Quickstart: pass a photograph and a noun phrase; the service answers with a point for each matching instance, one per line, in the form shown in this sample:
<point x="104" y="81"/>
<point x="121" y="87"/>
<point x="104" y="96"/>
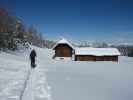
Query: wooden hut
<point x="96" y="54"/>
<point x="63" y="48"/>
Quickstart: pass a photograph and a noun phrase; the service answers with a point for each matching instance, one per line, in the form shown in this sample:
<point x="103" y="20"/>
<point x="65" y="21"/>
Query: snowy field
<point x="64" y="80"/>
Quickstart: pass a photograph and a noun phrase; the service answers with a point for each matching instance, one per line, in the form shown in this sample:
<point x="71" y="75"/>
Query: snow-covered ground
<point x="13" y="72"/>
<point x="64" y="79"/>
<point x="18" y="81"/>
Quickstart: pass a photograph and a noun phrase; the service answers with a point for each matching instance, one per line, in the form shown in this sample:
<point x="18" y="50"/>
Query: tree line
<point x="13" y="31"/>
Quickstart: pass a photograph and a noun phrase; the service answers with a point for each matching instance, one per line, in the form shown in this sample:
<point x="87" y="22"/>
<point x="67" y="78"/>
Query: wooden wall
<point x="95" y="58"/>
<point x="63" y="50"/>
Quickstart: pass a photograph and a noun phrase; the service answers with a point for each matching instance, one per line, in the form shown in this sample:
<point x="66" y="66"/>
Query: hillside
<point x="63" y="79"/>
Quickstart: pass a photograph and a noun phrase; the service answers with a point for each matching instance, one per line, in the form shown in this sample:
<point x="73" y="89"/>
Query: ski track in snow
<point x="37" y="88"/>
<point x="19" y="82"/>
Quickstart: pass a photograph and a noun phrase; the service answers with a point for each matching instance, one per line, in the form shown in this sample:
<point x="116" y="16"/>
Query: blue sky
<point x="77" y="19"/>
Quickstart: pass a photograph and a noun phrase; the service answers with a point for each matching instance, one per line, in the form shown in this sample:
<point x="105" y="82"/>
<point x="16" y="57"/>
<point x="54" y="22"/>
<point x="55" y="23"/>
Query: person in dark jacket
<point x="32" y="58"/>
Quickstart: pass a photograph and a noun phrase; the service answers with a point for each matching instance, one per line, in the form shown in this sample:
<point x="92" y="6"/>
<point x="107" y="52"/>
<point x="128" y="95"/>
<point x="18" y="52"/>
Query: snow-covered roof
<point x="96" y="51"/>
<point x="63" y="41"/>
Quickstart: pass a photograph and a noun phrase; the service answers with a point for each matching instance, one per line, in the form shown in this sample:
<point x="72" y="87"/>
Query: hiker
<point x="32" y="58"/>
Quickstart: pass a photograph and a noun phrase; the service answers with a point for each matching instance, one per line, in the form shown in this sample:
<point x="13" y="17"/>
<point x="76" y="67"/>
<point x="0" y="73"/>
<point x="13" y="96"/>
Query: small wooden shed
<point x="96" y="54"/>
<point x="63" y="48"/>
